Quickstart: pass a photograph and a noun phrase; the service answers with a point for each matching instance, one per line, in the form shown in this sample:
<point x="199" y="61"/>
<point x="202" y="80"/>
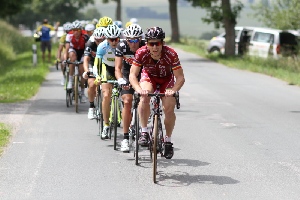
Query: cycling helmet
<point x="67" y="26"/>
<point x="134" y="20"/>
<point x="112" y="31"/>
<point x="76" y="25"/>
<point x="89" y="27"/>
<point x="128" y="24"/>
<point x="119" y="24"/>
<point x="99" y="33"/>
<point x="104" y="22"/>
<point x="132" y="31"/>
<point x="154" y="33"/>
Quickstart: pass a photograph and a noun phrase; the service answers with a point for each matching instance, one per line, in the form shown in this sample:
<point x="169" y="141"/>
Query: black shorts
<point x="45" y="44"/>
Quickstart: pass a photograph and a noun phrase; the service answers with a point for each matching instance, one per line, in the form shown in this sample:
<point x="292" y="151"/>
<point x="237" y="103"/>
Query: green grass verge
<point x="5" y="132"/>
<point x="286" y="69"/>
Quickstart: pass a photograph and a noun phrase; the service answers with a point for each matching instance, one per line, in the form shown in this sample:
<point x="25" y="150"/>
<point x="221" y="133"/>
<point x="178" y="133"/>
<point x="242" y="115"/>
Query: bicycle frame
<point x="76" y="93"/>
<point x="115" y="110"/>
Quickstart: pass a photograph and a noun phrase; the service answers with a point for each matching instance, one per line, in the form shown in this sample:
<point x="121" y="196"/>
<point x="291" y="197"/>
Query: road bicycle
<point x="156" y="141"/>
<point x="115" y="116"/>
<point x="98" y="115"/>
<point x="76" y="95"/>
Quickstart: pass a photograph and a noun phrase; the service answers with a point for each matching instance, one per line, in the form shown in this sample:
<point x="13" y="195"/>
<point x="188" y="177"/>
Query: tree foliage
<point x="53" y="10"/>
<point x="12" y="7"/>
<point x="280" y="14"/>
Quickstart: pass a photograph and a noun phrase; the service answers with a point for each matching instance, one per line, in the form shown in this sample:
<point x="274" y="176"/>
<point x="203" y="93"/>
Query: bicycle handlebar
<point x="75" y="63"/>
<point x="176" y="95"/>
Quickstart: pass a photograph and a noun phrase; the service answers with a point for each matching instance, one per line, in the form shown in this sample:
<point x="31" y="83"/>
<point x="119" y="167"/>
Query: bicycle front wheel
<point x="115" y="119"/>
<point x="99" y="114"/>
<point x="137" y="135"/>
<point x="154" y="147"/>
<point x="76" y="93"/>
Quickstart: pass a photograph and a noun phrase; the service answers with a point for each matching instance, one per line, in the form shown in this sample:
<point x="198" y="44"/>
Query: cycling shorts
<point x="163" y="82"/>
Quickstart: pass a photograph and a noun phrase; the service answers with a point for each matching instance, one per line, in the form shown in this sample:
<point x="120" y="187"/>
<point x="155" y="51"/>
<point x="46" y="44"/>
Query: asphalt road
<point x="236" y="137"/>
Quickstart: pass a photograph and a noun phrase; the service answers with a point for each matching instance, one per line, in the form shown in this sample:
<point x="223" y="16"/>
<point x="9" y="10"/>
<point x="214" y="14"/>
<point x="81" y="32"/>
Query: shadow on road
<point x="185" y="179"/>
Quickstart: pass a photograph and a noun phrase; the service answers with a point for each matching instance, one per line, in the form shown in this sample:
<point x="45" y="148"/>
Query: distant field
<point x="189" y="19"/>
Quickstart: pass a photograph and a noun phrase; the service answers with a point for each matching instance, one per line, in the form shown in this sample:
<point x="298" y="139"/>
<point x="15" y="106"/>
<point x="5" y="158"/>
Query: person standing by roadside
<point x="45" y="29"/>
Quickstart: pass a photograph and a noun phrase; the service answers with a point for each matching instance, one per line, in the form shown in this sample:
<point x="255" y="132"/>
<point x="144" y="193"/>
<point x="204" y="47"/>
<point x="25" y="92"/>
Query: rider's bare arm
<point x="179" y="77"/>
<point x="134" y="72"/>
<point x="118" y="67"/>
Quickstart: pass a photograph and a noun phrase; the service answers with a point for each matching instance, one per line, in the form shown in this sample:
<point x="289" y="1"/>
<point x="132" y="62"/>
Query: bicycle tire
<point x="111" y="118"/>
<point x="68" y="96"/>
<point x="137" y="136"/>
<point x="99" y="112"/>
<point x="76" y="93"/>
<point x="56" y="64"/>
<point x="161" y="139"/>
<point x="115" y="120"/>
<point x="154" y="147"/>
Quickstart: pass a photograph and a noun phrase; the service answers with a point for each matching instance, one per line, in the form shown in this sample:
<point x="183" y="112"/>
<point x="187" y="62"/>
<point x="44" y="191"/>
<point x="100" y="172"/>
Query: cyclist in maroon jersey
<point x="161" y="66"/>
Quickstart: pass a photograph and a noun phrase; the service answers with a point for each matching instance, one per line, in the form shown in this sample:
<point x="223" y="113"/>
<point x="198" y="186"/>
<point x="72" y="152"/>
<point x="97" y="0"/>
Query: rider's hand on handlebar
<point x="85" y="75"/>
<point x="97" y="80"/>
<point x="169" y="93"/>
<point x="143" y="92"/>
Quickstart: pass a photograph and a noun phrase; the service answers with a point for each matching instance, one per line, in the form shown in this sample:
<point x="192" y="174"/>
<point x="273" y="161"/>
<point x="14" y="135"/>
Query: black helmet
<point x="154" y="33"/>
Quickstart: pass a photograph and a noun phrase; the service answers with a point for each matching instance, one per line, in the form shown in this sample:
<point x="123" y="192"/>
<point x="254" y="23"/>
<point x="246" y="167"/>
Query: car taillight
<point x="278" y="49"/>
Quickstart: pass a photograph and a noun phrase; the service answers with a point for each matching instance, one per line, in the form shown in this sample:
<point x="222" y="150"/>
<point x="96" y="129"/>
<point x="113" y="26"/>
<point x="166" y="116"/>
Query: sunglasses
<point x="76" y="29"/>
<point x="151" y="44"/>
<point x="114" y="39"/>
<point x="99" y="39"/>
<point x="133" y="40"/>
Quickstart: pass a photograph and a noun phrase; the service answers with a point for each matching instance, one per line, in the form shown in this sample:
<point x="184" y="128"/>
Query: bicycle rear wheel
<point x="154" y="147"/>
<point x="76" y="82"/>
<point x="137" y="135"/>
<point x="115" y="119"/>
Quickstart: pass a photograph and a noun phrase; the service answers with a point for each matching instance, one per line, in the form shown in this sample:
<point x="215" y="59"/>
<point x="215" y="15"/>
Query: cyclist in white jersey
<point x="106" y="56"/>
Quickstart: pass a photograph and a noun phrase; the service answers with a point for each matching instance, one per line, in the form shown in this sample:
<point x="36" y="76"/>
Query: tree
<point x="280" y="14"/>
<point x="53" y="10"/>
<point x="175" y="36"/>
<point x="12" y="7"/>
<point x="222" y="13"/>
<point x="118" y="9"/>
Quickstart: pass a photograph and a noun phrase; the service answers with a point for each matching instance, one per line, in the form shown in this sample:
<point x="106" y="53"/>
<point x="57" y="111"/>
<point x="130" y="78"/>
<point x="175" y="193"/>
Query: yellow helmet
<point x="104" y="22"/>
<point x="128" y="24"/>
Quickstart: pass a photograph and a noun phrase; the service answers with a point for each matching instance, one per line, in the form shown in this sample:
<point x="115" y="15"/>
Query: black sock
<point x="92" y="105"/>
<point x="126" y="136"/>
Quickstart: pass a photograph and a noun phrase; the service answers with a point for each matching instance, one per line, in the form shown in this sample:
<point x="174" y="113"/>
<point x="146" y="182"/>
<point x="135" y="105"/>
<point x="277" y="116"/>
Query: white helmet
<point x="76" y="25"/>
<point x="112" y="31"/>
<point x="89" y="27"/>
<point x="99" y="33"/>
<point x="119" y="24"/>
<point x="67" y="26"/>
<point x="134" y="20"/>
<point x="133" y="30"/>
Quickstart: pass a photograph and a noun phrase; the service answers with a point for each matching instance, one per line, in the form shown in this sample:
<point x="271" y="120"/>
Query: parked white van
<point x="256" y="41"/>
<point x="274" y="43"/>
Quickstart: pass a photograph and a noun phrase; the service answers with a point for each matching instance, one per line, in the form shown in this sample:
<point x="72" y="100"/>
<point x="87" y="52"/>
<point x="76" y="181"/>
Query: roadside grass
<point x="19" y="79"/>
<point x="4" y="136"/>
<point x="286" y="69"/>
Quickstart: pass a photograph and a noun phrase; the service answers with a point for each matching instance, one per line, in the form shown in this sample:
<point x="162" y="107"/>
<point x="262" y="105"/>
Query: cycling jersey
<point x="90" y="50"/>
<point x="123" y="50"/>
<point x="62" y="39"/>
<point x="107" y="55"/>
<point x="45" y="29"/>
<point x="77" y="44"/>
<point x="167" y="63"/>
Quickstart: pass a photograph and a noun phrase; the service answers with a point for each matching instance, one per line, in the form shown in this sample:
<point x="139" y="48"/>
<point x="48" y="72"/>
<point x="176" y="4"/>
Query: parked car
<point x="256" y="41"/>
<point x="217" y="44"/>
<point x="273" y="43"/>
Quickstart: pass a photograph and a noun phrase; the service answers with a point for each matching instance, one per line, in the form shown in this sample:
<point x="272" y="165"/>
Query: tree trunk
<point x="118" y="11"/>
<point x="175" y="36"/>
<point x="229" y="24"/>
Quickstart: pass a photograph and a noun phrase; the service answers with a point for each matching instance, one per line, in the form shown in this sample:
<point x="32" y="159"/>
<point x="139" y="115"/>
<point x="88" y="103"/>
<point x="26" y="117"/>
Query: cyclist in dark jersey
<point x="124" y="56"/>
<point x="88" y="62"/>
<point x="161" y="66"/>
